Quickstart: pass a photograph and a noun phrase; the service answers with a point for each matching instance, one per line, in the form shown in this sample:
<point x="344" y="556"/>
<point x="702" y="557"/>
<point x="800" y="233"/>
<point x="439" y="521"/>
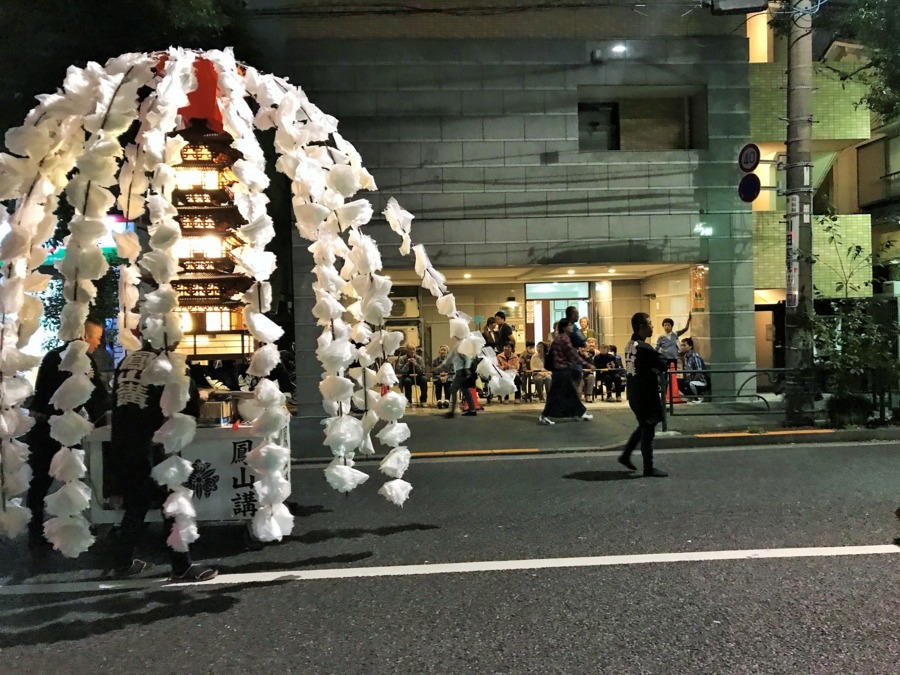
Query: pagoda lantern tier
<point x="208" y="288"/>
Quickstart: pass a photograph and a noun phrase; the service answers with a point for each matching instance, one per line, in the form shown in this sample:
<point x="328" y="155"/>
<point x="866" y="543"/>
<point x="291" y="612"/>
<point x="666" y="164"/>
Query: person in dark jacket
<point x="643" y="368"/>
<point x="43" y="447"/>
<point x="504" y="332"/>
<point x="136" y="416"/>
<point x="562" y="358"/>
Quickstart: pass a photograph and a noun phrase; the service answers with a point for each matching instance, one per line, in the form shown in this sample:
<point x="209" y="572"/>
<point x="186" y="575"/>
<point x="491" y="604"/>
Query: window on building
<point x="642" y="118"/>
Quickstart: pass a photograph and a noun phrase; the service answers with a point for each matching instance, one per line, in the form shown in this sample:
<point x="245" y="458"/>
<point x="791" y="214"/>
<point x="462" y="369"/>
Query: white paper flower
<point x="14" y="518"/>
<point x="268" y="457"/>
<point x="73" y="392"/>
<point x="264" y="360"/>
<point x="396" y="491"/>
<point x="68" y="465"/>
<point x="262" y="327"/>
<point x="400" y="221"/>
<point x="343" y="434"/>
<point x="270" y="422"/>
<point x="394" y="434"/>
<point x="391" y="406"/>
<point x="344" y="478"/>
<point x="176" y="432"/>
<point x="396" y="462"/>
<point x="364" y="254"/>
<point x="70" y="535"/>
<point x="272" y="523"/>
<point x="272" y="489"/>
<point x="70" y="500"/>
<point x="183" y="533"/>
<point x="179" y="503"/>
<point x="69" y="428"/>
<point x="446" y="305"/>
<point x="268" y="394"/>
<point x="386" y="375"/>
<point x="172" y="472"/>
<point x="74" y="358"/>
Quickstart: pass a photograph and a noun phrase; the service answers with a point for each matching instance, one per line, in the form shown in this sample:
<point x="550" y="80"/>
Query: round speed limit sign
<point x="748" y="158"/>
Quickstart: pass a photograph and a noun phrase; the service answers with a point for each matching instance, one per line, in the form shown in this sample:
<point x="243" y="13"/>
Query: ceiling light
<point x="619" y="49"/>
<point x="611" y="270"/>
<point x="386" y="276"/>
<point x="467" y="276"/>
<point x="570" y="271"/>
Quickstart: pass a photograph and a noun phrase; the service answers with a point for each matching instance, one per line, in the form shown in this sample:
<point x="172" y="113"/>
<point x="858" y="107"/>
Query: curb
<point x="676" y="441"/>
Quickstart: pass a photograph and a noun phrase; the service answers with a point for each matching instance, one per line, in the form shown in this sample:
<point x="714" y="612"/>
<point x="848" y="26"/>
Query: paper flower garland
<point x="326" y="173"/>
<point x="99" y="103"/>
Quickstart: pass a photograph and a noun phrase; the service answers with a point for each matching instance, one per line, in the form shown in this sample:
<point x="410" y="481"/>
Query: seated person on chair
<point x="442" y="376"/>
<point x="610" y="377"/>
<point x="694" y="383"/>
<point x="540" y="376"/>
<point x="411" y="369"/>
<point x="525" y="371"/>
<point x="507" y="360"/>
<point x="589" y="381"/>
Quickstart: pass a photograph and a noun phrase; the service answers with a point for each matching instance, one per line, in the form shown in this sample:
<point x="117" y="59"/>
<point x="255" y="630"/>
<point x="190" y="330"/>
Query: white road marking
<point x="452" y="568"/>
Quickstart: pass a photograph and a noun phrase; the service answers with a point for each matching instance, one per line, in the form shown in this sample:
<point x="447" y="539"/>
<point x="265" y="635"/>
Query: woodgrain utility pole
<point x="799" y="286"/>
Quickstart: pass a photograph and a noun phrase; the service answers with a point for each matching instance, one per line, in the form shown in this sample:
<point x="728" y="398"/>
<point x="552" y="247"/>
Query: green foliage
<point x="874" y="24"/>
<point x="850" y="259"/>
<point x="106" y="304"/>
<point x="852" y="347"/>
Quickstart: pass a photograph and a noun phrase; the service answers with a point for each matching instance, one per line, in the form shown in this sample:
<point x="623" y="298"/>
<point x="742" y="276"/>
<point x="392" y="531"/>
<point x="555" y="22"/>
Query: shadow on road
<point x="317" y="536"/>
<point x="304" y="511"/>
<point x="601" y="475"/>
<point x="283" y="565"/>
<point x="49" y="621"/>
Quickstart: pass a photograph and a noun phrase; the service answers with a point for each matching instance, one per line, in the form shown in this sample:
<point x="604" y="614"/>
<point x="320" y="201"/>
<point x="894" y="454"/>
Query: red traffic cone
<point x="672" y="393"/>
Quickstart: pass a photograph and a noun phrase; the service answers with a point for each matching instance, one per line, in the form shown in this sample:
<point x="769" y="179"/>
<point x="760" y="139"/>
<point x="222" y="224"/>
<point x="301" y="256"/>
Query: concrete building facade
<point x="483" y="129"/>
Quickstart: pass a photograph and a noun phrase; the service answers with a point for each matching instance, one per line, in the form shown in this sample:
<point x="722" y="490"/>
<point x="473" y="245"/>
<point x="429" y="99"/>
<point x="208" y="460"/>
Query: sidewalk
<point x="513" y="428"/>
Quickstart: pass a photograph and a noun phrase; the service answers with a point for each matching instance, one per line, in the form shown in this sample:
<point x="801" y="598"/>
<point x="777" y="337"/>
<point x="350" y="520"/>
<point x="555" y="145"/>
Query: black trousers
<point x="42" y="450"/>
<point x="141" y="493"/>
<point x="421" y="382"/>
<point x="461" y="382"/>
<point x="441" y="390"/>
<point x="648" y="416"/>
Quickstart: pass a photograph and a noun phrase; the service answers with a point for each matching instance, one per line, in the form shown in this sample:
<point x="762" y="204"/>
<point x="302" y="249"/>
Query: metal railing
<point x="775" y="375"/>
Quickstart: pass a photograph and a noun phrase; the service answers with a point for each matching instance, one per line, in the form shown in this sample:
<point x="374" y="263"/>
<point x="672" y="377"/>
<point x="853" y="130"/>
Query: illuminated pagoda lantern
<point x="209" y="288"/>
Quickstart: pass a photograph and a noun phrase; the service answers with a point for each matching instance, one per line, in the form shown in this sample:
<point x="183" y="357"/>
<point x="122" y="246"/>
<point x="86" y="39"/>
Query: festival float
<point x="170" y="139"/>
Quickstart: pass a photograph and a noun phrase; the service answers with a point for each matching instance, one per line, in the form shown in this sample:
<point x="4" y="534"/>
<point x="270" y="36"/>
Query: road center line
<point x="454" y="568"/>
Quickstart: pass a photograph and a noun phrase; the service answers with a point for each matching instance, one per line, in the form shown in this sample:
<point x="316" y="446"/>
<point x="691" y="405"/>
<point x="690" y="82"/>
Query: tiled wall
<point x="479" y="139"/>
<point x="769" y="254"/>
<point x="837" y="115"/>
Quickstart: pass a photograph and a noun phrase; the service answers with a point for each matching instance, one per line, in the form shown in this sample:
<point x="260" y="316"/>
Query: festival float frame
<point x="72" y="142"/>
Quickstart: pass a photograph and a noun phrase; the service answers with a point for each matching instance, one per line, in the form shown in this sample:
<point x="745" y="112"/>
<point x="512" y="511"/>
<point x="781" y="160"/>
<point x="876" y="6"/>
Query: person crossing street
<point x="643" y="368"/>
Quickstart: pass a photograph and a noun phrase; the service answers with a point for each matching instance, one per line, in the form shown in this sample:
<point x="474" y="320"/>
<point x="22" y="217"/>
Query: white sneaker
<point x="697" y="400"/>
<point x="545" y="420"/>
<point x="587" y="417"/>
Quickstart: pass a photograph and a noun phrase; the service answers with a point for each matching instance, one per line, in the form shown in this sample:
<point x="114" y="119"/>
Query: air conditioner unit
<point x="891" y="288"/>
<point x="738" y="6"/>
<point x="405" y="308"/>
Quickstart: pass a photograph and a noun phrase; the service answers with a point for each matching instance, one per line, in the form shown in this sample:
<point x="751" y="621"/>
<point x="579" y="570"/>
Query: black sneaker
<point x="450" y="415"/>
<point x="625" y="461"/>
<point x="653" y="472"/>
<point x="470" y="413"/>
<point x="134" y="569"/>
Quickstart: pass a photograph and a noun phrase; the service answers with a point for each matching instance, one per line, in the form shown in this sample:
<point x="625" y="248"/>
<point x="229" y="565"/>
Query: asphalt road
<point x="827" y="614"/>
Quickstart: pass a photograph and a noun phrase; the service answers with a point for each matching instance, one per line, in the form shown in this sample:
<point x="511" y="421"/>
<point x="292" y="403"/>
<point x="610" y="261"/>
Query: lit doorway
<point x="545" y="305"/>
